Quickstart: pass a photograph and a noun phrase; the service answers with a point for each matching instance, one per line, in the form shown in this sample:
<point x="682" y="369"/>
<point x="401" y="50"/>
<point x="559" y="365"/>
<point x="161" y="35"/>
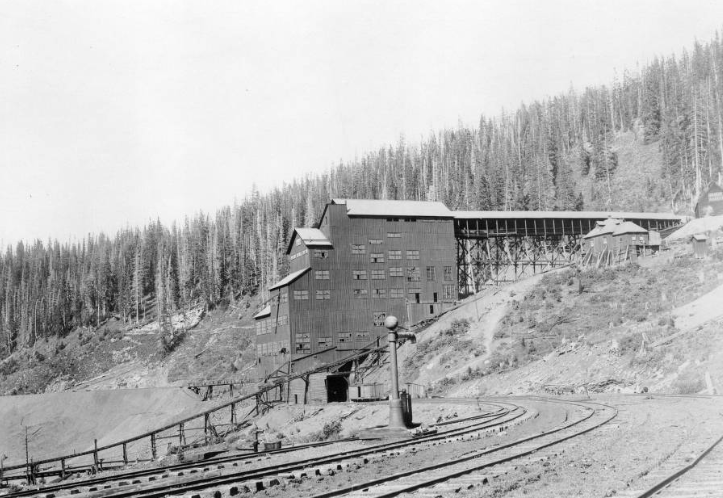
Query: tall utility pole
<point x="28" y="463"/>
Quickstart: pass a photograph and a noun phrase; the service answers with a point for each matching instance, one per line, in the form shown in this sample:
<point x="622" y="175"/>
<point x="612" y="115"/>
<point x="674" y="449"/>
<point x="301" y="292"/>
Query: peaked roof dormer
<point x="312" y="237"/>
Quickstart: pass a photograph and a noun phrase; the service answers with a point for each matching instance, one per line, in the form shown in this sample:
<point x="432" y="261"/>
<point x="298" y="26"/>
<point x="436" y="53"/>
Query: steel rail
<point x="201" y="482"/>
<point x="490" y="417"/>
<point x="454" y="474"/>
<point x="170" y="468"/>
<point x="665" y="482"/>
<point x="198" y="416"/>
<point x="230" y="458"/>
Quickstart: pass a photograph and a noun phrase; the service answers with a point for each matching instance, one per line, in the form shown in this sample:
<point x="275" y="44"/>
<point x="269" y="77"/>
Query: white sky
<point x="114" y="113"/>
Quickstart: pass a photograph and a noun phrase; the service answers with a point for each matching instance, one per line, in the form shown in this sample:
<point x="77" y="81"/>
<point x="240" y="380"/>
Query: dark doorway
<point x="336" y="388"/>
<point x="416" y="297"/>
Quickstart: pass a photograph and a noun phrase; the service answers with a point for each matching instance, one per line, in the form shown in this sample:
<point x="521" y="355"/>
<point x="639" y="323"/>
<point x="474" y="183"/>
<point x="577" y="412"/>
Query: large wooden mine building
<point x="412" y="259"/>
<point x="368" y="259"/>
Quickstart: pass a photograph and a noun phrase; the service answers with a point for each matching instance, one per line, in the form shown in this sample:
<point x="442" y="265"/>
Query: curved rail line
<point x="434" y="474"/>
<point x="505" y="415"/>
<point x="239" y="481"/>
<point x="135" y="474"/>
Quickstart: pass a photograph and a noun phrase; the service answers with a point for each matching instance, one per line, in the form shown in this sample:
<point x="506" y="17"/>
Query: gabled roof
<point x="289" y="278"/>
<point x="614" y="227"/>
<point x="699" y="237"/>
<point x="397" y="209"/>
<point x="312" y="237"/>
<point x="605" y="227"/>
<point x="263" y="313"/>
<point x="628" y="227"/>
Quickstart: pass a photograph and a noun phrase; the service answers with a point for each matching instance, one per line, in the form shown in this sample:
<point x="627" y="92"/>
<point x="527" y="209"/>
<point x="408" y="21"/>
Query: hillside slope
<point x="63" y="423"/>
<point x="630" y="328"/>
<point x="635" y="184"/>
<point x="117" y="355"/>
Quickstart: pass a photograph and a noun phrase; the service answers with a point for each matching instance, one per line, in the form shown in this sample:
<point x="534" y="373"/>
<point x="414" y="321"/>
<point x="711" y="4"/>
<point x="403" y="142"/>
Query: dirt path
<point x="492" y="309"/>
<point x="703" y="309"/>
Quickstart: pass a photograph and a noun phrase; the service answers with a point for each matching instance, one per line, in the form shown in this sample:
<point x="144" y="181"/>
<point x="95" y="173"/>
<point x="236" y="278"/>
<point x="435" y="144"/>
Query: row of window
<point x="396" y="293"/>
<point x="353" y="337"/>
<point x="413" y="274"/>
<point x="447" y="291"/>
<point x="267" y="326"/>
<point x="303" y="341"/>
<point x="378" y="293"/>
<point x="632" y="238"/>
<point x="378" y="257"/>
<point x="318" y="253"/>
<point x="272" y="348"/>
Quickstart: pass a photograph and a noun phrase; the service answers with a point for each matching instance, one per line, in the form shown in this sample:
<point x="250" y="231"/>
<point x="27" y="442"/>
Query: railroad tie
<point x="327" y="470"/>
<point x="267" y="483"/>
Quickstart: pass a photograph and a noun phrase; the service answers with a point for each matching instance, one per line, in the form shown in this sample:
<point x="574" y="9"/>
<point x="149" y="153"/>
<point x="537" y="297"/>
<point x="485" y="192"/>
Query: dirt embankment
<point x="62" y="423"/>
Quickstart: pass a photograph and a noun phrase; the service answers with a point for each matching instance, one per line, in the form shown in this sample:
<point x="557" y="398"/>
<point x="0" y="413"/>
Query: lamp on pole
<point x="396" y="414"/>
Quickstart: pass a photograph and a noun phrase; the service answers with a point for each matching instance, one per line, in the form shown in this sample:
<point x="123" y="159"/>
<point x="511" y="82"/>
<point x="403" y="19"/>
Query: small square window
<point x="301" y="294"/>
<point x="396" y="272"/>
<point x="430" y="273"/>
<point x="396" y="293"/>
<point x="323" y="294"/>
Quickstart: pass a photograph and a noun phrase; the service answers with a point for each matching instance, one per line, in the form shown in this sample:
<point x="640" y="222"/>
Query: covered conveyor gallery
<point x="503" y="246"/>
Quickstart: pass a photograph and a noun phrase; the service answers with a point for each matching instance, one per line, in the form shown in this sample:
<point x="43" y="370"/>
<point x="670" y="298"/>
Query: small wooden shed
<point x="699" y="242"/>
<point x="628" y="233"/>
<point x="614" y="240"/>
<point x="600" y="238"/>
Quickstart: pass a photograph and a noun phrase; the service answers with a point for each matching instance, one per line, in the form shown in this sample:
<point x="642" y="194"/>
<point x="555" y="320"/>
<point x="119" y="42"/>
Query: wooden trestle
<point x="498" y="247"/>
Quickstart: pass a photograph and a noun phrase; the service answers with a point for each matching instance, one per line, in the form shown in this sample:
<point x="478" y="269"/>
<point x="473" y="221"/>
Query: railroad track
<point x="220" y="471"/>
<point x="698" y="477"/>
<point x="479" y="467"/>
<point x="579" y="418"/>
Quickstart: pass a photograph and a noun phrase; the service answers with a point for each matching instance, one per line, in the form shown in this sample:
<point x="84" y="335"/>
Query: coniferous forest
<point x="558" y="154"/>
